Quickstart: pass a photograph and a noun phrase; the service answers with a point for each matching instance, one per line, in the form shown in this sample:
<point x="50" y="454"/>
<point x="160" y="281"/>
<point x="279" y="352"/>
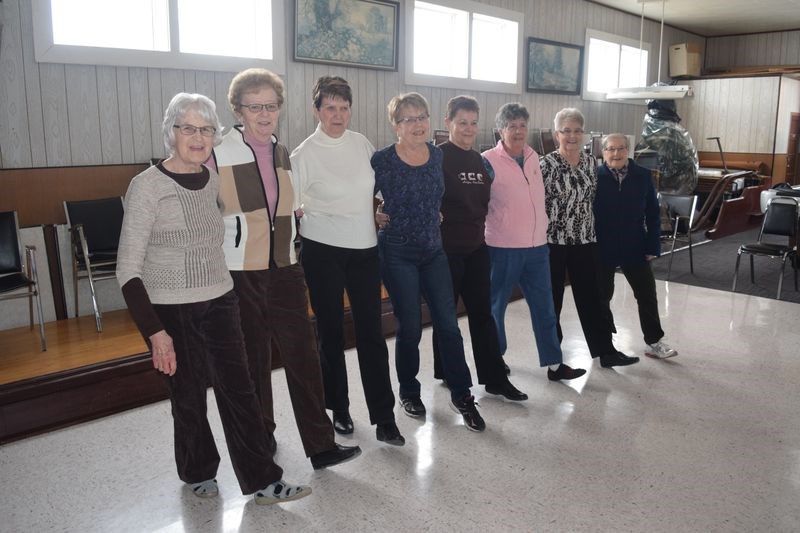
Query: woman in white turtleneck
<point x="335" y="183"/>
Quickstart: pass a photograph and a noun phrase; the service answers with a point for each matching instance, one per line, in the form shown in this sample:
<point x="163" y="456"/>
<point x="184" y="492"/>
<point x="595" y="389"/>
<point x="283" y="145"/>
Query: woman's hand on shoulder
<point x="163" y="353"/>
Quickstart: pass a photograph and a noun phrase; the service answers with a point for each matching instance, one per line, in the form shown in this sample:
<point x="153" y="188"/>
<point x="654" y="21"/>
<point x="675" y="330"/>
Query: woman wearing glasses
<point x="570" y="183"/>
<point x="173" y="275"/>
<point x="516" y="233"/>
<point x="408" y="176"/>
<point x="627" y="220"/>
<point x="258" y="204"/>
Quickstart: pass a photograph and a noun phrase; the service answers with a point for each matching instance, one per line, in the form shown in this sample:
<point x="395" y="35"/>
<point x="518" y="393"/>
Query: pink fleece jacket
<point x="517" y="216"/>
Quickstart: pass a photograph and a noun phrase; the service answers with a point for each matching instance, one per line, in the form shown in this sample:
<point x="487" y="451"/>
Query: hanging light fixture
<point x="658" y="91"/>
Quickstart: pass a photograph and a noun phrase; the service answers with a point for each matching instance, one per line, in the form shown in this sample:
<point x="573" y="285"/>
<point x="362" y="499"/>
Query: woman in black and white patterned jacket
<point x="570" y="183"/>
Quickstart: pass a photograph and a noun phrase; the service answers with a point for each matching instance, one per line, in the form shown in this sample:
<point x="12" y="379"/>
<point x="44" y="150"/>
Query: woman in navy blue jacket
<point x="627" y="223"/>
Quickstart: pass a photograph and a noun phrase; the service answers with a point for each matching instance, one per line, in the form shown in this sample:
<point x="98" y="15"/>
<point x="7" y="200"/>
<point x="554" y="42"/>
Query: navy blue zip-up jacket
<point x="626" y="217"/>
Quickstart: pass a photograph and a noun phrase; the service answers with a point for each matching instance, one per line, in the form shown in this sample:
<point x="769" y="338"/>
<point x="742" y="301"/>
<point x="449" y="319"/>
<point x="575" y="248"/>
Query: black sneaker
<point x="413" y="407"/>
<point x="472" y="418"/>
<point x="389" y="434"/>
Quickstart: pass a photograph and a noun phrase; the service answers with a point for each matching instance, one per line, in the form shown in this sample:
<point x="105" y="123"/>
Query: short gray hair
<point x="567" y="114"/>
<point x="607" y="138"/>
<point x="180" y="104"/>
<point x="508" y="112"/>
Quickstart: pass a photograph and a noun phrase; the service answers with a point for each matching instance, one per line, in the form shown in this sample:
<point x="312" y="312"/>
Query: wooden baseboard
<point x="40" y="404"/>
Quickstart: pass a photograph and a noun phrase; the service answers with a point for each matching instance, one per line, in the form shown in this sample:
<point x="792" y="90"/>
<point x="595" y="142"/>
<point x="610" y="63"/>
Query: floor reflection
<point x="707" y="441"/>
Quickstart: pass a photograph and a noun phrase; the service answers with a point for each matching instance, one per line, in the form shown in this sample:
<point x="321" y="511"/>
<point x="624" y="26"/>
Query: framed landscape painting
<point x="553" y="67"/>
<point x="353" y="33"/>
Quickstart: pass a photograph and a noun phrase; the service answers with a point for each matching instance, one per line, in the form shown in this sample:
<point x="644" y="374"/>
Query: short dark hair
<point x="332" y="87"/>
<point x="462" y="101"/>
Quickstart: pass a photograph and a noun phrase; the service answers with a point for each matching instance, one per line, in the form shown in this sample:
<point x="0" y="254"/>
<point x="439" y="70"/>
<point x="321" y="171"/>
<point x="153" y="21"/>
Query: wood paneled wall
<point x="758" y="49"/>
<point x="740" y="111"/>
<point x="38" y="193"/>
<point x="67" y="115"/>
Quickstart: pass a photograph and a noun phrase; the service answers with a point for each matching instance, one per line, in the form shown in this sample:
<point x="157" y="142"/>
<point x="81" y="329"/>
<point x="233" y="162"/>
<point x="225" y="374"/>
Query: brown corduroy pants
<point x="209" y="349"/>
<point x="274" y="307"/>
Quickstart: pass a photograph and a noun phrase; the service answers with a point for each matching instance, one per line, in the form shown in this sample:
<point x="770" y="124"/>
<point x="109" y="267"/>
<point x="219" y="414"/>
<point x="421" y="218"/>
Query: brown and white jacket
<point x="255" y="239"/>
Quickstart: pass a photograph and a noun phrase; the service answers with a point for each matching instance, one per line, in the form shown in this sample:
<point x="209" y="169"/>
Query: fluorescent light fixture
<point x="661" y="92"/>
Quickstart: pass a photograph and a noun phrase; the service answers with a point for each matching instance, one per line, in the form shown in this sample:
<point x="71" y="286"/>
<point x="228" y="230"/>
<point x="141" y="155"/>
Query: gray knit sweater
<point x="172" y="239"/>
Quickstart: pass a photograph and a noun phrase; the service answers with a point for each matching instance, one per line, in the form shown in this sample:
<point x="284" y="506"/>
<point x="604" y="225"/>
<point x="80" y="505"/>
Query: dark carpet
<point x="715" y="261"/>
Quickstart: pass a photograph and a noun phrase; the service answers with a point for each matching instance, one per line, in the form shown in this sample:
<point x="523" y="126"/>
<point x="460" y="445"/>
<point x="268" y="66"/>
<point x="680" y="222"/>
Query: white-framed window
<point x="613" y="62"/>
<point x="226" y="35"/>
<point x="462" y="44"/>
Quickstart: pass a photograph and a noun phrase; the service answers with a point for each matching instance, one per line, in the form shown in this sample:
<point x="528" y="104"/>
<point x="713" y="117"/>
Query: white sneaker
<point x="660" y="350"/>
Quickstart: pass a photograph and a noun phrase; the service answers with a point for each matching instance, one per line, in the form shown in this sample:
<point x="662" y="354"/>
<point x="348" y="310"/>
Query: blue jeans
<point x="407" y="270"/>
<point x="530" y="268"/>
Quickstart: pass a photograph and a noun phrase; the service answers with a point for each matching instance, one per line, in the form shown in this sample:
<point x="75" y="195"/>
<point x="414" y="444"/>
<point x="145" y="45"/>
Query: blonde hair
<point x="397" y="103"/>
<point x="250" y="81"/>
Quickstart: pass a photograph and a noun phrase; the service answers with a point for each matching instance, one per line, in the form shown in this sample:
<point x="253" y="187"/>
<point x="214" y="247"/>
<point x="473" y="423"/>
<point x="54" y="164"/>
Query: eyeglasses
<point x="413" y="120"/>
<point x="614" y="149"/>
<point x="188" y="130"/>
<point x="571" y="132"/>
<point x="516" y="127"/>
<point x="257" y="108"/>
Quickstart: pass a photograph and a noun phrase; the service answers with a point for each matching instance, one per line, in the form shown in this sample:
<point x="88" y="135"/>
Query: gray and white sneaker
<point x="660" y="350"/>
<point x="279" y="492"/>
<point x="205" y="489"/>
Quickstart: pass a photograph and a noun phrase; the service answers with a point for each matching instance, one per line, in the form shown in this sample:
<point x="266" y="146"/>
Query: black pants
<point x="641" y="280"/>
<point x="470" y="275"/>
<point x="275" y="309"/>
<point x="209" y="349"/>
<point x="579" y="261"/>
<point x="330" y="270"/>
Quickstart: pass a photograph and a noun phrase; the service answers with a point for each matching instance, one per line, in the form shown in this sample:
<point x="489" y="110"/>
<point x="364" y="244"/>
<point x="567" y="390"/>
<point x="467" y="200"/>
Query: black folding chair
<point x="779" y="220"/>
<point x="16" y="274"/>
<point x="681" y="211"/>
<point x="95" y="226"/>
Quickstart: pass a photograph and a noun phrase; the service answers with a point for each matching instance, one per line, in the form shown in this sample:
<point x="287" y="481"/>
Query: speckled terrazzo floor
<point x="707" y="441"/>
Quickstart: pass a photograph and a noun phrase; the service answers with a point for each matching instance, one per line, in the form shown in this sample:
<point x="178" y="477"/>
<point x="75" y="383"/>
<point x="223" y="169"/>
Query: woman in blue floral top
<point x="408" y="177"/>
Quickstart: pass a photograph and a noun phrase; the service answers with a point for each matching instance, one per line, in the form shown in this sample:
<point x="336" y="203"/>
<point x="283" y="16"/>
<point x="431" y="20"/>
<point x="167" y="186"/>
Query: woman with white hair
<point x="172" y="271"/>
<point x="570" y="183"/>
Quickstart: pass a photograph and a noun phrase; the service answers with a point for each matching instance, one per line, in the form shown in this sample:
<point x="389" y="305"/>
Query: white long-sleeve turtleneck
<point x="335" y="185"/>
